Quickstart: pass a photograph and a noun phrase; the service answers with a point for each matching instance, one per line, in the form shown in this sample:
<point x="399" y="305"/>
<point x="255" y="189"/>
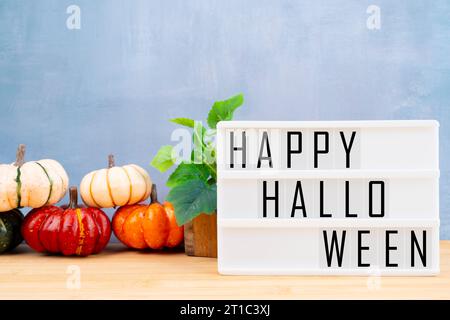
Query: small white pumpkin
<point x="31" y="184"/>
<point x="115" y="186"/>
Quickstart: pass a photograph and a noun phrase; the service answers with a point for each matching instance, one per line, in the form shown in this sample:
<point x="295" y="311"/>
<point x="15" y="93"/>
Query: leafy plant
<point x="193" y="184"/>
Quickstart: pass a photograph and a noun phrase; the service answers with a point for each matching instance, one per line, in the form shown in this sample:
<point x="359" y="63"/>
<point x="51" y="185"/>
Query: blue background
<point x="77" y="95"/>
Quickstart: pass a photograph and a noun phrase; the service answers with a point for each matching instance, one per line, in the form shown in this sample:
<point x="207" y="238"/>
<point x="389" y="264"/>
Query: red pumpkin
<point x="151" y="226"/>
<point x="70" y="230"/>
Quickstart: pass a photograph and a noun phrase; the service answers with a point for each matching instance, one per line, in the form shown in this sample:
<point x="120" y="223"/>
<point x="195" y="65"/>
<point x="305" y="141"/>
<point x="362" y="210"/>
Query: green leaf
<point x="193" y="198"/>
<point x="186" y="172"/>
<point x="223" y="110"/>
<point x="212" y="165"/>
<point x="184" y="122"/>
<point x="163" y="159"/>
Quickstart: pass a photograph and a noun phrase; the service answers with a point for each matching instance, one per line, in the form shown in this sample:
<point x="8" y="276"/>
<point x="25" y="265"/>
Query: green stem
<point x="202" y="144"/>
<point x="213" y="171"/>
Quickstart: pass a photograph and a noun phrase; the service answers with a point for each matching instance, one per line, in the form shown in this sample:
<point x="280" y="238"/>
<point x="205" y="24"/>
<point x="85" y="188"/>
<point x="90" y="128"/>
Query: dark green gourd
<point x="10" y="236"/>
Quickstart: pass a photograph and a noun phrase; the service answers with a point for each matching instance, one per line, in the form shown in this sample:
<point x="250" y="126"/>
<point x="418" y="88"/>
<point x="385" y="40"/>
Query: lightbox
<point x="340" y="197"/>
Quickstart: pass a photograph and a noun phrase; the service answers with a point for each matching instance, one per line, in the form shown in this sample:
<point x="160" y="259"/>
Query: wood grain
<point x="200" y="236"/>
<point x="121" y="274"/>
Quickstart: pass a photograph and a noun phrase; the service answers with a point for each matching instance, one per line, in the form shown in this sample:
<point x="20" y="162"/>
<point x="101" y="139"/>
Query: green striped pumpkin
<point x="10" y="223"/>
<point x="31" y="184"/>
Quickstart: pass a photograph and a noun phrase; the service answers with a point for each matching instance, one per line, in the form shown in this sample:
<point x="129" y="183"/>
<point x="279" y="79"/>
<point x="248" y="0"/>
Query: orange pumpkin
<point x="154" y="226"/>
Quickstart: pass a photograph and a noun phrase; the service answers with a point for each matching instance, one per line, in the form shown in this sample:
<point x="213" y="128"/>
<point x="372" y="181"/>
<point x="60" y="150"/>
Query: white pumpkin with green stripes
<point x="115" y="186"/>
<point x="31" y="184"/>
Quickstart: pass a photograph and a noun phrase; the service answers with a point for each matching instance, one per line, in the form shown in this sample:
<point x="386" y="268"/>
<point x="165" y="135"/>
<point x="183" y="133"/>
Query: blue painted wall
<point x="77" y="95"/>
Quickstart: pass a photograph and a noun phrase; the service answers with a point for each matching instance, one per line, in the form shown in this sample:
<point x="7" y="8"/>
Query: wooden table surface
<point x="121" y="274"/>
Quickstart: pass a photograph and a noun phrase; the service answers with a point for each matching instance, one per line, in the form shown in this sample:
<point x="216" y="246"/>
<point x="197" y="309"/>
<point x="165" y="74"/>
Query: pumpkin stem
<point x="154" y="195"/>
<point x="20" y="155"/>
<point x="111" y="162"/>
<point x="73" y="198"/>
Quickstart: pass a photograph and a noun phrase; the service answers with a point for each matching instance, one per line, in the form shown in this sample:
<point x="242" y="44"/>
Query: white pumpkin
<point x="115" y="186"/>
<point x="31" y="184"/>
